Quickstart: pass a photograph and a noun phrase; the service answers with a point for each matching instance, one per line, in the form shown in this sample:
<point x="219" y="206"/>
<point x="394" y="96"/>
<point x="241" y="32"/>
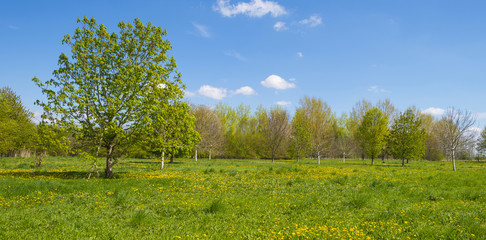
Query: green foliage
<point x="301" y="138"/>
<point x="111" y="85"/>
<point x="481" y="145"/>
<point x="173" y="130"/>
<point x="49" y="140"/>
<point x="239" y="129"/>
<point x="372" y="132"/>
<point x="321" y="121"/>
<point x="16" y="127"/>
<point x="407" y="137"/>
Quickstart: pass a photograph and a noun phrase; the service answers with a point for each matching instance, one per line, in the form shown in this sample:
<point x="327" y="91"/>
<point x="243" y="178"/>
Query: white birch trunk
<point x="162" y="161"/>
<point x="195" y="155"/>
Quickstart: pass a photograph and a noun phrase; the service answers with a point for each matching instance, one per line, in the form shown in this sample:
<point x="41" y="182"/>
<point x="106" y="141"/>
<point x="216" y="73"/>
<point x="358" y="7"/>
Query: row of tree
<point x="315" y="131"/>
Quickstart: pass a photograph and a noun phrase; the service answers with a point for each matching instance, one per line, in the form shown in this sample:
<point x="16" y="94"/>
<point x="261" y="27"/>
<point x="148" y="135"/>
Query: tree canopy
<point x="16" y="127"/>
<point x="373" y="131"/>
<point x="108" y="86"/>
<point x="407" y="137"/>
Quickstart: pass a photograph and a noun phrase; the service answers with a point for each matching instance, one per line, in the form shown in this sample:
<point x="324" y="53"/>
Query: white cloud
<point x="233" y="53"/>
<point x="434" y="111"/>
<point x="212" y="92"/>
<point x="189" y="93"/>
<point x="376" y="89"/>
<point x="280" y="26"/>
<point x="283" y="103"/>
<point x="255" y="8"/>
<point x="312" y="21"/>
<point x="202" y="30"/>
<point x="246" y="90"/>
<point x="274" y="81"/>
<point x="299" y="54"/>
<point x="13" y="27"/>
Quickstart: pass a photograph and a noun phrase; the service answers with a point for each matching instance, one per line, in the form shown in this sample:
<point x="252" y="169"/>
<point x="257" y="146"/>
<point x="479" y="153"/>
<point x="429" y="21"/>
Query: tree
<point x="407" y="137"/>
<point x="481" y="144"/>
<point x="16" y="127"/>
<point x="300" y="134"/>
<point x="343" y="135"/>
<point x="173" y="130"/>
<point x="239" y="128"/>
<point x="455" y="126"/>
<point x="48" y="140"/>
<point x="111" y="84"/>
<point x="372" y="132"/>
<point x="274" y="129"/>
<point x="433" y="148"/>
<point x="355" y="118"/>
<point x="209" y="127"/>
<point x="320" y="124"/>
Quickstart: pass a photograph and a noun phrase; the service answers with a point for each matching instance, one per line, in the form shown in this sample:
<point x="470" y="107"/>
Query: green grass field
<point x="242" y="199"/>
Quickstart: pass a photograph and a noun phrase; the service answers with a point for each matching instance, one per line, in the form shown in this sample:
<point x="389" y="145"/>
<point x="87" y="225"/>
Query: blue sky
<point x="431" y="54"/>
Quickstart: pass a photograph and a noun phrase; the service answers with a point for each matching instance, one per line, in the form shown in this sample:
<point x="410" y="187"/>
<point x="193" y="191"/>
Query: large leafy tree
<point x="372" y="132"/>
<point x="16" y="127"/>
<point x="407" y="137"/>
<point x="111" y="83"/>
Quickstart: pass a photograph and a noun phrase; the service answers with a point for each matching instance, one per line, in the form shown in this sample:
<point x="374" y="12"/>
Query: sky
<point x="423" y="53"/>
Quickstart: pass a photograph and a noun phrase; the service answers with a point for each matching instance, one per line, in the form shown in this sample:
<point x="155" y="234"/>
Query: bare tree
<point x="275" y="129"/>
<point x="209" y="127"/>
<point x="455" y="127"/>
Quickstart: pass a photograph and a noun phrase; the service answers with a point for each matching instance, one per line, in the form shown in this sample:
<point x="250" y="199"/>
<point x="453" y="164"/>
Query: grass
<point x="242" y="199"/>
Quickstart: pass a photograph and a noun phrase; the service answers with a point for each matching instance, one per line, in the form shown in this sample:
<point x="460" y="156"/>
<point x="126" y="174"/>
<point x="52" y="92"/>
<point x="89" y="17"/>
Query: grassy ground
<point x="242" y="199"/>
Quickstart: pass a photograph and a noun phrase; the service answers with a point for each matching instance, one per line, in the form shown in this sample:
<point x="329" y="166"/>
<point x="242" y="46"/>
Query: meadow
<point x="242" y="199"/>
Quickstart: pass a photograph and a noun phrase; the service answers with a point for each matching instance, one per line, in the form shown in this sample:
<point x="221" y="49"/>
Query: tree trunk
<point x="210" y="154"/>
<point x="407" y="160"/>
<point x="298" y="158"/>
<point x="172" y="157"/>
<point x="453" y="160"/>
<point x="344" y="157"/>
<point x="372" y="161"/>
<point x="109" y="162"/>
<point x="362" y="156"/>
<point x="318" y="158"/>
<point x="162" y="161"/>
<point x="195" y="155"/>
<point x="403" y="162"/>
